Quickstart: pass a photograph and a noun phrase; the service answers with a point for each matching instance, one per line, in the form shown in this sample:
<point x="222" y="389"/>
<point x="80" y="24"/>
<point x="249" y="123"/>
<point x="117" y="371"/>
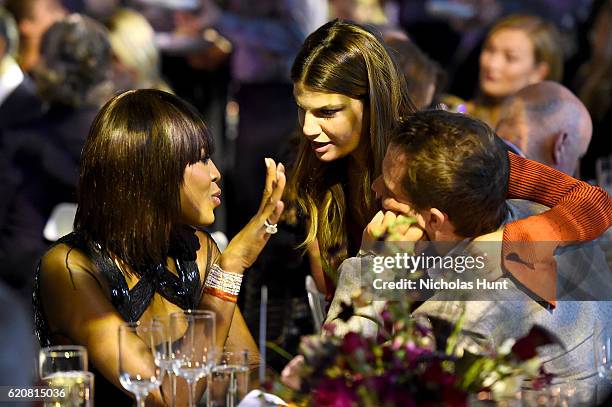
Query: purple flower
<point x="413" y="352"/>
<point x="435" y="374"/>
<point x="334" y="393"/>
<point x="422" y="329"/>
<point x="353" y="342"/>
<point x="526" y="347"/>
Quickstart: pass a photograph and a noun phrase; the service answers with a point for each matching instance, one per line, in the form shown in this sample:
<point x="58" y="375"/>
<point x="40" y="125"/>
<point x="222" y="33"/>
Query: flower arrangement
<point x="412" y="361"/>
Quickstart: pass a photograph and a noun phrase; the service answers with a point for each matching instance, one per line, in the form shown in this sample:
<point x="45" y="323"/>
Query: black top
<point x="184" y="291"/>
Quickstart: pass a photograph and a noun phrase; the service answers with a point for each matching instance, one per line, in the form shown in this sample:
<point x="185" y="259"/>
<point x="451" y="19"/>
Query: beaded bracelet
<point x="223" y="284"/>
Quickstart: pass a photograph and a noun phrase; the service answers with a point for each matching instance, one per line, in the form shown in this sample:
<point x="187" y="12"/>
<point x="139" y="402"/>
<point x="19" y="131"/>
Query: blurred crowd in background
<point x="61" y="60"/>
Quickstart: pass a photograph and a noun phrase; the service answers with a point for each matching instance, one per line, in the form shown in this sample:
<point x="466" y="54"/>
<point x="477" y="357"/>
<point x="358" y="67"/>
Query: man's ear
<point x="560" y="141"/>
<point x="435" y="219"/>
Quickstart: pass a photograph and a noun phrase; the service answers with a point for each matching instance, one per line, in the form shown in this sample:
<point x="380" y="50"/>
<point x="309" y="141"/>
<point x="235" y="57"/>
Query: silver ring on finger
<point x="271" y="228"/>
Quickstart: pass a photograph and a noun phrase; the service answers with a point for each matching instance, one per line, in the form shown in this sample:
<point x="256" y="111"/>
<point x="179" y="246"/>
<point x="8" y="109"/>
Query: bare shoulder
<point x="63" y="264"/>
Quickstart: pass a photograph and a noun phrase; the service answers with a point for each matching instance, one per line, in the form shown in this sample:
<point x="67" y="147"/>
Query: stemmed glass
<point x="194" y="349"/>
<point x="65" y="368"/>
<point x="165" y="359"/>
<point x="602" y="344"/>
<point x="141" y="341"/>
<point x="230" y="379"/>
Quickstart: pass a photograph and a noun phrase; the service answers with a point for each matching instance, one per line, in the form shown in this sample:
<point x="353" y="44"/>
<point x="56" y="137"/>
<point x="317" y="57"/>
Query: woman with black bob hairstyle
<point x="147" y="187"/>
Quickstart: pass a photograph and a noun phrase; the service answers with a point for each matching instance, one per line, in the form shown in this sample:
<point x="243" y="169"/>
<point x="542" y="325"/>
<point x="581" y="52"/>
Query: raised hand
<point x="243" y="249"/>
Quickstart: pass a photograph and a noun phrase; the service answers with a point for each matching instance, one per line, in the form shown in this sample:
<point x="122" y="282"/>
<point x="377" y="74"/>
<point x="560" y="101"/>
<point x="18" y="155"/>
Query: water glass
<point x="75" y="389"/>
<point x="65" y="368"/>
<point x="602" y="344"/>
<point x="230" y="379"/>
<point x="139" y="342"/>
<point x="572" y="393"/>
<point x="54" y="359"/>
<point x="192" y="346"/>
<point x="165" y="359"/>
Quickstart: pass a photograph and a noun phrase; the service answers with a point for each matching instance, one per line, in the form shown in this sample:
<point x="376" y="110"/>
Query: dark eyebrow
<point x="326" y="107"/>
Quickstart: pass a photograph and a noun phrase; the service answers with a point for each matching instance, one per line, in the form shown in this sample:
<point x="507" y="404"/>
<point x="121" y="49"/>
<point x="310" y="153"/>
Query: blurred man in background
<point x="549" y="124"/>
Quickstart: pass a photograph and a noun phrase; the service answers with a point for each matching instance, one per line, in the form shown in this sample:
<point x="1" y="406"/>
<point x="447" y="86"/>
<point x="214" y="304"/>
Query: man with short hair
<point x="549" y="124"/>
<point x="450" y="172"/>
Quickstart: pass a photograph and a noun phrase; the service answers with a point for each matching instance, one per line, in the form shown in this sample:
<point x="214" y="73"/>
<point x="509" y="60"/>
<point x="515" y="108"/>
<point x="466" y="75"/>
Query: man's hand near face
<point x="389" y="226"/>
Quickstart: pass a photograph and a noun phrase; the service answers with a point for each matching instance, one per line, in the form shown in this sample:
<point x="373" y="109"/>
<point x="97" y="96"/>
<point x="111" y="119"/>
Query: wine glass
<point x="165" y="358"/>
<point x="602" y="346"/>
<point x="230" y="379"/>
<point x="65" y="368"/>
<point x="138" y="342"/>
<point x="194" y="349"/>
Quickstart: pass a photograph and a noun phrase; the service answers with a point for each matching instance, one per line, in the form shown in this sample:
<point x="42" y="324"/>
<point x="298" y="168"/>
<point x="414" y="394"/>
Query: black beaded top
<point x="184" y="291"/>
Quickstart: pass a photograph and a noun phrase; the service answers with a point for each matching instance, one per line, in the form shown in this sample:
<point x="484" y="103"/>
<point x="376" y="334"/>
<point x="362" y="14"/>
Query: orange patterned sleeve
<point x="579" y="212"/>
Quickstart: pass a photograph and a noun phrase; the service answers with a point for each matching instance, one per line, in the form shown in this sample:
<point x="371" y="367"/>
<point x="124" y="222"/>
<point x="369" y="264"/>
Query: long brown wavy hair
<point x="345" y="58"/>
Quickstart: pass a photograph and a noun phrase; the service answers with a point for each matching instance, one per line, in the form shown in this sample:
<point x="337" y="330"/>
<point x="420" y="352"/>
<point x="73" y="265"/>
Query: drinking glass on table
<point x="165" y="359"/>
<point x="64" y="368"/>
<point x="602" y="344"/>
<point x="230" y="379"/>
<point x="192" y="334"/>
<point x="141" y="341"/>
<point x="570" y="393"/>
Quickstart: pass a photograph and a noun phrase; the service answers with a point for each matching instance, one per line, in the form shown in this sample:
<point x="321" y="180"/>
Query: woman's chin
<point x="328" y="156"/>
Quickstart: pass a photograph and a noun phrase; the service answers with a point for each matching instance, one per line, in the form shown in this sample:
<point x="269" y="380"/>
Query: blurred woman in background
<point x="136" y="59"/>
<point x="518" y="51"/>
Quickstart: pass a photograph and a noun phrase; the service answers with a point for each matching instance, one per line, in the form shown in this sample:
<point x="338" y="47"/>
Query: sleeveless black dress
<point x="184" y="291"/>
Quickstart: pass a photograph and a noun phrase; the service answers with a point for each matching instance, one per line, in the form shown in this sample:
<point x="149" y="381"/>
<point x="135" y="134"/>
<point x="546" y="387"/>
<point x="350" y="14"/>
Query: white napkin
<point x="254" y="399"/>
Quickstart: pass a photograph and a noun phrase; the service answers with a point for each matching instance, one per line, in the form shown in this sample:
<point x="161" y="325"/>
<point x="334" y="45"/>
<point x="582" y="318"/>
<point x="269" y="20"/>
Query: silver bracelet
<point x="225" y="281"/>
